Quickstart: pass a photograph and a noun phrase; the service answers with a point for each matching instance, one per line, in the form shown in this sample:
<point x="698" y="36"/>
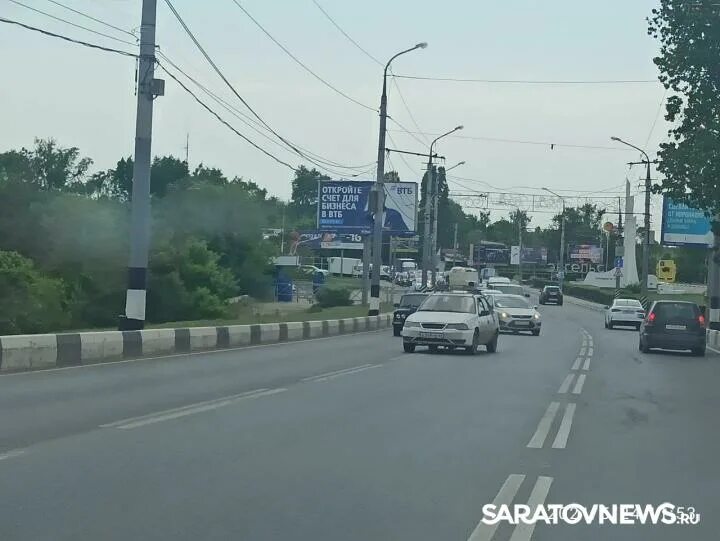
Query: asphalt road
<point x="348" y="438"/>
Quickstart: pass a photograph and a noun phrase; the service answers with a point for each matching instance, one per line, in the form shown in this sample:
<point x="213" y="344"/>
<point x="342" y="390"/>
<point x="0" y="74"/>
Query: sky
<point x="85" y="98"/>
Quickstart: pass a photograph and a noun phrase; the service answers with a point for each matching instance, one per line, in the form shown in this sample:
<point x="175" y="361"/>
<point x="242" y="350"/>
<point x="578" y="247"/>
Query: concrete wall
<point x="37" y="351"/>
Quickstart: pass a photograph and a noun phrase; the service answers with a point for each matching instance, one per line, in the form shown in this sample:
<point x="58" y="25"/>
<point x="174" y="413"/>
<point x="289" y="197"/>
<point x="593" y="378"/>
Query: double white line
<point x="506" y="495"/>
<point x="567" y="382"/>
<point x="546" y="422"/>
<point x="337" y="373"/>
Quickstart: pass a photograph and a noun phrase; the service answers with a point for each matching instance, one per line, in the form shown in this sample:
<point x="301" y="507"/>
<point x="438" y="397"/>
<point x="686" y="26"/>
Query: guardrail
<point x="39" y="351"/>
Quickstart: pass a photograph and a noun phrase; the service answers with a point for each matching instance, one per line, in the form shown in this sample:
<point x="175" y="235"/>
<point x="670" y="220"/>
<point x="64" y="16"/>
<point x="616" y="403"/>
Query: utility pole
<point x="148" y="89"/>
<point x="455" y="246"/>
<point x="436" y="208"/>
<point x="561" y="266"/>
<point x="379" y="192"/>
<point x="187" y="149"/>
<point x="520" y="240"/>
<point x="713" y="280"/>
<point x="428" y="205"/>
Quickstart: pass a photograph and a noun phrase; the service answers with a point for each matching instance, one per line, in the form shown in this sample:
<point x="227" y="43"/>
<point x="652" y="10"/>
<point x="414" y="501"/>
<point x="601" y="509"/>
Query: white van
<point x="463" y="278"/>
<point x="498" y="280"/>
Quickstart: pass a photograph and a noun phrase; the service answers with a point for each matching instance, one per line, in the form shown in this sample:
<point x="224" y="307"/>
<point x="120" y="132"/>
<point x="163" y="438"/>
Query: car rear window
<point x="673" y="310"/>
<point x="552" y="289"/>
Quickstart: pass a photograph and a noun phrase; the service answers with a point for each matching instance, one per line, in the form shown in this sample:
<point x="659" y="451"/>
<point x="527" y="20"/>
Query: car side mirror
<point x="535" y="307"/>
<point x="484" y="313"/>
<point x="396" y="305"/>
<point x="607" y="308"/>
<point x="527" y="295"/>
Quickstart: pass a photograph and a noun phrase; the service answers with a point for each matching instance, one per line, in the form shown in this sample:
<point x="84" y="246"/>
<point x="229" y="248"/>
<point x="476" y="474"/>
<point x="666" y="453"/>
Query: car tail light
<point x="651" y="317"/>
<point x="701" y="320"/>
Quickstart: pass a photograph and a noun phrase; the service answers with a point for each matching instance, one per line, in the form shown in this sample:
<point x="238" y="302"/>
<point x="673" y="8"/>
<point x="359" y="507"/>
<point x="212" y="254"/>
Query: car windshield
<point x="448" y="303"/>
<point x="676" y="311"/>
<point x="412" y="301"/>
<point x="510" y="289"/>
<point x="627" y="303"/>
<point x="506" y="301"/>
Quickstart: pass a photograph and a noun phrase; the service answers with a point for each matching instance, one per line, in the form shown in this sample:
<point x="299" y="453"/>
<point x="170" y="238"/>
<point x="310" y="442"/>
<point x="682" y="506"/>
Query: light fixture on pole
<point x="646" y="243"/>
<point x="430" y="233"/>
<point x="379" y="192"/>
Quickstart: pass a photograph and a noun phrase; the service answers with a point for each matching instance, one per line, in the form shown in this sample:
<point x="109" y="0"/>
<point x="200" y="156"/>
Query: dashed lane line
<point x="505" y="496"/>
<point x="523" y="531"/>
<point x="565" y="425"/>
<point x="576" y="364"/>
<point x="538" y="439"/>
<point x="586" y="366"/>
<point x="579" y="384"/>
<point x="192" y="409"/>
<point x="565" y="385"/>
<point x="590" y="351"/>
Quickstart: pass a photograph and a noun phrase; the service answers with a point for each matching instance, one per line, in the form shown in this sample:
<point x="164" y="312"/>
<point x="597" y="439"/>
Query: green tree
<point x="31" y="302"/>
<point x="303" y="202"/>
<point x="689" y="39"/>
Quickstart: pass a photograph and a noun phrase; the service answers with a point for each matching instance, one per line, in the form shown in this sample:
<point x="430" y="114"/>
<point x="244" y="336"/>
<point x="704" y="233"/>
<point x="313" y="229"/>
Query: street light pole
<point x="646" y="243"/>
<point x="561" y="272"/>
<point x="430" y="236"/>
<point x="379" y="191"/>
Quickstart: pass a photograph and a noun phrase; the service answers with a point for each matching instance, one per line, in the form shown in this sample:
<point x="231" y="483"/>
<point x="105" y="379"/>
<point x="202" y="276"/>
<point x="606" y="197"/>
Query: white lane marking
<point x="333" y="372"/>
<point x="340" y="374"/>
<point x="586" y="366"/>
<point x="713" y="349"/>
<point x="582" y="352"/>
<point x="189" y="354"/>
<point x="564" y="430"/>
<point x="505" y="496"/>
<point x="565" y="385"/>
<point x="579" y="384"/>
<point x="523" y="532"/>
<point x="576" y="364"/>
<point x="176" y="413"/>
<point x="590" y="351"/>
<point x="538" y="439"/>
<point x="12" y="454"/>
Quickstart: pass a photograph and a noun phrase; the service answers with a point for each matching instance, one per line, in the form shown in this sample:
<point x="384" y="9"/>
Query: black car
<point x="408" y="305"/>
<point x="673" y="325"/>
<point x="551" y="294"/>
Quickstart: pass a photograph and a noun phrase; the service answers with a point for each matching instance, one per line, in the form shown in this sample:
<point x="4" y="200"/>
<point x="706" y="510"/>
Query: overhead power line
<point x="295" y="148"/>
<point x="222" y="120"/>
<point x="82" y="14"/>
<point x="550" y="144"/>
<point x="350" y="39"/>
<point x="51" y="16"/>
<point x="66" y="38"/>
<point x="300" y="62"/>
<point x="531" y="81"/>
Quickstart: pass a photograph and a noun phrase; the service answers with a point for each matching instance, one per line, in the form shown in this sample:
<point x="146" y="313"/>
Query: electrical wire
<point x="198" y="45"/>
<point x="82" y="14"/>
<point x="657" y="116"/>
<point x="66" y="38"/>
<point x="72" y="23"/>
<point x="223" y="121"/>
<point x="402" y="157"/>
<point x="550" y="144"/>
<point x="300" y="62"/>
<point x="409" y="112"/>
<point x="350" y="39"/>
<point x="404" y="129"/>
<point x="530" y="81"/>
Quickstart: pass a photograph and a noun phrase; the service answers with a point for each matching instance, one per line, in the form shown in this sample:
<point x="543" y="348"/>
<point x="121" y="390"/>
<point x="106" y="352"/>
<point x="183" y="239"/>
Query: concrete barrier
<point x="37" y="351"/>
<point x="27" y="352"/>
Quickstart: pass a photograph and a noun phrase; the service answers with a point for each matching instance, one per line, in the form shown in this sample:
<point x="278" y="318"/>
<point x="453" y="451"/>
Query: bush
<point x="600" y="296"/>
<point x="327" y="297"/>
<point x="29" y="301"/>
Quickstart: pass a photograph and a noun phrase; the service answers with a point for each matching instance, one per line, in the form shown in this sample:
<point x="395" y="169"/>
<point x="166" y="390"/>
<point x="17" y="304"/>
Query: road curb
<point x="22" y="353"/>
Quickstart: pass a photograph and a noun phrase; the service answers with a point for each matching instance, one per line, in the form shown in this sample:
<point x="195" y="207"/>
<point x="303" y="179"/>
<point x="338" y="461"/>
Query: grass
<point x="652" y="295"/>
<point x="336" y="312"/>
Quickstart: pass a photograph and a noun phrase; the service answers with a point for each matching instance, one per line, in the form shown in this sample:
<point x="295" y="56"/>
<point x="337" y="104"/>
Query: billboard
<point x="315" y="240"/>
<point x="491" y="254"/>
<point x="684" y="226"/>
<point x="530" y="255"/>
<point x="344" y="206"/>
<point x="588" y="253"/>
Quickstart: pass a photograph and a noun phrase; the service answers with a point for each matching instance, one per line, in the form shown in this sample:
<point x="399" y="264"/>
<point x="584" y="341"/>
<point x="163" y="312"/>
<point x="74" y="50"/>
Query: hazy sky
<point x="85" y="98"/>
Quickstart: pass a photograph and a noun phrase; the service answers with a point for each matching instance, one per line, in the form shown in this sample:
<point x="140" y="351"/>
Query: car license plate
<point x="522" y="323"/>
<point x="628" y="312"/>
<point x="431" y="334"/>
<point x="675" y="327"/>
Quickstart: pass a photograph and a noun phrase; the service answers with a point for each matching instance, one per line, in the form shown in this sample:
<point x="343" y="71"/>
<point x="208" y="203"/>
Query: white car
<point x="516" y="314"/>
<point x="452" y="320"/>
<point x="312" y="269"/>
<point x="624" y="312"/>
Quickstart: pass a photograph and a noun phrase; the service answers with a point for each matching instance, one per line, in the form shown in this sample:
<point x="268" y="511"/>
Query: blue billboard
<point x="343" y="206"/>
<point x="684" y="226"/>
